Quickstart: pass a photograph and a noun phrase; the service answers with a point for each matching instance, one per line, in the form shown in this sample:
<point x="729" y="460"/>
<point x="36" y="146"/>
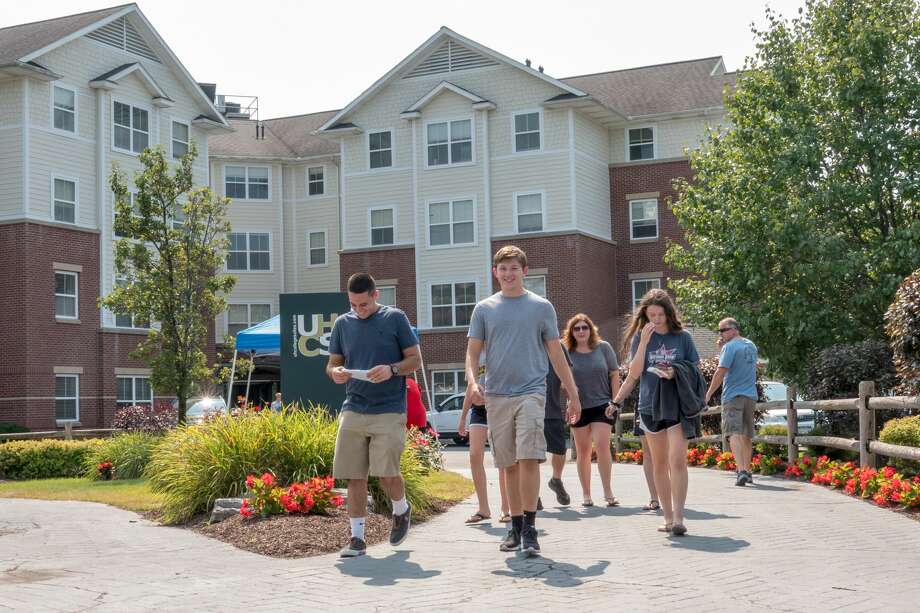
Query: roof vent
<point x="121" y="34"/>
<point x="450" y="57"/>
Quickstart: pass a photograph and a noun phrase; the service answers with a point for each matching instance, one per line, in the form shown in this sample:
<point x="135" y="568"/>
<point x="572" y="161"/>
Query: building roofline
<point x="31" y="23"/>
<point x="603" y="72"/>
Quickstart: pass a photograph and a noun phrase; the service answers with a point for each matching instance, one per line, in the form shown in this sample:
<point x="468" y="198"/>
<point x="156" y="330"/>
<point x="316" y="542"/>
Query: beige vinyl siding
<point x="672" y="137"/>
<point x="592" y="179"/>
<point x="304" y="213"/>
<point x="11" y="149"/>
<point x="547" y="173"/>
<point x="362" y="193"/>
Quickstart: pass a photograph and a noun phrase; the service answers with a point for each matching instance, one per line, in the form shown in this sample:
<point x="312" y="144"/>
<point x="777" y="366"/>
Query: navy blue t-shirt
<point x="365" y="343"/>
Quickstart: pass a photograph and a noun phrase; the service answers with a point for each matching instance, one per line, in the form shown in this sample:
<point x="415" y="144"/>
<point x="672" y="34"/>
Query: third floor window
<point x="527" y="132"/>
<point x="247" y="182"/>
<point x="641" y="144"/>
<point x="380" y="149"/>
<point x="450" y="223"/>
<point x="131" y="130"/>
<point x="382" y="227"/>
<point x="450" y="142"/>
<point x="316" y="181"/>
<point x="65" y="109"/>
<point x="249" y="251"/>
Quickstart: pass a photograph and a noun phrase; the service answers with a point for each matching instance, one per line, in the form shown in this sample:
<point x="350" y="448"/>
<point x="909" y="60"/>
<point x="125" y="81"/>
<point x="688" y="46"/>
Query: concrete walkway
<point x="778" y="546"/>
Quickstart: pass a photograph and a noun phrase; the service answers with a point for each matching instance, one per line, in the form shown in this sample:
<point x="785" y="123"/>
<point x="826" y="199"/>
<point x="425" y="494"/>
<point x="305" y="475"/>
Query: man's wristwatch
<point x="394" y="370"/>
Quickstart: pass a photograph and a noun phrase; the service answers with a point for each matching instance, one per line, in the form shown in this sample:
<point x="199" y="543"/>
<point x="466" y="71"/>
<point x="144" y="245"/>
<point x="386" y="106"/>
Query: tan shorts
<point x="516" y="428"/>
<point x="368" y="445"/>
<point x="738" y="416"/>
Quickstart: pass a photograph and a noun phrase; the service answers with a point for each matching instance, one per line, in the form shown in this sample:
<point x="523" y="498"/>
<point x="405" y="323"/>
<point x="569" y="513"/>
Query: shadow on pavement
<point x="579" y="512"/>
<point x="773" y="488"/>
<point x="497" y="529"/>
<point x="384" y="571"/>
<point x="708" y="544"/>
<point x="552" y="573"/>
<point x="691" y="514"/>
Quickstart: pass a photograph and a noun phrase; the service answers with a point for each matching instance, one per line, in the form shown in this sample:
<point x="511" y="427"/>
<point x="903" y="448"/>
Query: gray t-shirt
<point x="592" y="374"/>
<point x="514" y="330"/>
<point x="553" y="408"/>
<point x="662" y="351"/>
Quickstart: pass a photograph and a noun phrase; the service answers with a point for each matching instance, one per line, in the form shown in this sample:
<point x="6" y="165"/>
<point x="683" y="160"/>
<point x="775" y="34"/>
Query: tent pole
<point x="230" y="383"/>
<point x="425" y="378"/>
<point x="252" y="359"/>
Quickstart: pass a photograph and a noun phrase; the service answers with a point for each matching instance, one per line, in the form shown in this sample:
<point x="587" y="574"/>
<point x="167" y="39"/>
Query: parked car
<point x="446" y="416"/>
<point x="198" y="409"/>
<point x="776" y="390"/>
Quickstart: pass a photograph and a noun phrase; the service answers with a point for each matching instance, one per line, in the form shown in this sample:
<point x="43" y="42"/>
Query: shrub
<point x="903" y="431"/>
<point x="768" y="448"/>
<point x="129" y="453"/>
<point x="145" y="417"/>
<point x="8" y="427"/>
<point x="902" y="325"/>
<point x="44" y="459"/>
<point x="413" y="472"/>
<point x="427" y="448"/>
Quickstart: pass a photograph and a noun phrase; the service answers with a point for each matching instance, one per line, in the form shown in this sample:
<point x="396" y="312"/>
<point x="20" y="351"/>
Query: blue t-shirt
<point x="739" y="356"/>
<point x="365" y="343"/>
<point x="662" y="351"/>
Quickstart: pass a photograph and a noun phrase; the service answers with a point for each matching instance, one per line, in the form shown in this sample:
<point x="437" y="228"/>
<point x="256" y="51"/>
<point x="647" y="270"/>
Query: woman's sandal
<point x="475" y="518"/>
<point x="665" y="527"/>
<point x="651" y="506"/>
<point x="505" y="518"/>
<point x="587" y="502"/>
<point x="612" y="501"/>
<point x="678" y="530"/>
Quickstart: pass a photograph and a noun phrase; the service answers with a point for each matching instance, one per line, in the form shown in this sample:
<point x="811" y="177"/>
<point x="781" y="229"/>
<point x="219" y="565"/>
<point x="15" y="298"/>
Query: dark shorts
<point x="478" y="416"/>
<point x="637" y="429"/>
<point x="592" y="415"/>
<point x="554" y="431"/>
<point x="656" y="426"/>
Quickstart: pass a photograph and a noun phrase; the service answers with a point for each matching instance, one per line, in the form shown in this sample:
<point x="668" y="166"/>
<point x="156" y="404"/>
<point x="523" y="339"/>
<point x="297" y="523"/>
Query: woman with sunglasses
<point x="597" y="377"/>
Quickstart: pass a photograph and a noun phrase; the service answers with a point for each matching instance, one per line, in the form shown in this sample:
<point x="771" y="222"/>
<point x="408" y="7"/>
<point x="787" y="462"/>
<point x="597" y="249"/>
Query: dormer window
<point x="131" y="129"/>
<point x="450" y="142"/>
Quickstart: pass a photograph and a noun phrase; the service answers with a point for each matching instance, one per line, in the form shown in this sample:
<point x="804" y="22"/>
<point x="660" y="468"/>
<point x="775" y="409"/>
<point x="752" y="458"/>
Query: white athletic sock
<point x="400" y="506"/>
<point x="357" y="527"/>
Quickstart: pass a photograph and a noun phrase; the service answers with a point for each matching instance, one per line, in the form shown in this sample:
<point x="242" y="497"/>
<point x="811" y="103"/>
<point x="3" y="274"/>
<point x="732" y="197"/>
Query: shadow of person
<point x="552" y="573"/>
<point x="708" y="544"/>
<point x="384" y="571"/>
<point x="570" y="513"/>
<point x="772" y="488"/>
<point x="696" y="515"/>
<point x="497" y="529"/>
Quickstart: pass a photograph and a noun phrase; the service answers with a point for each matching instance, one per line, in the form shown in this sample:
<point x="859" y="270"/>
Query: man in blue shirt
<point x="737" y="373"/>
<point x="371" y="351"/>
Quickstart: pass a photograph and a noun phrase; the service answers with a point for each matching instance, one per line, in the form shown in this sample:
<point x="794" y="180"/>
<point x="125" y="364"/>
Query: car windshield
<point x="201" y="405"/>
<point x="774" y="390"/>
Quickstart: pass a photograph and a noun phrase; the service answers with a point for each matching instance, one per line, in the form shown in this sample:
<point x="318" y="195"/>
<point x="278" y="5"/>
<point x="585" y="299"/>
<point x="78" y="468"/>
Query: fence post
<point x="792" y="426"/>
<point x="68" y="431"/>
<point x="866" y="424"/>
<point x="725" y="446"/>
<point x="618" y="434"/>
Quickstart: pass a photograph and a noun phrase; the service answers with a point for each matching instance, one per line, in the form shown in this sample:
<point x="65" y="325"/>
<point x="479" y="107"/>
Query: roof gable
<point x="476" y="100"/>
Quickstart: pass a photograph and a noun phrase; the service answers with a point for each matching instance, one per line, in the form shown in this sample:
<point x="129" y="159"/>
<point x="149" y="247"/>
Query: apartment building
<point x="77" y="95"/>
<point x="453" y="153"/>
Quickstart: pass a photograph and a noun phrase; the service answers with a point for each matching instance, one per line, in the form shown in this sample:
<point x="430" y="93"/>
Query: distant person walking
<point x="737" y="375"/>
<point x="277" y="405"/>
<point x="554" y="431"/>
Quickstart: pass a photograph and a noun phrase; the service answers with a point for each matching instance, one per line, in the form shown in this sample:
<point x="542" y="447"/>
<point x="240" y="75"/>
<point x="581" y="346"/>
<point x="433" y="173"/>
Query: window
<point x="640" y="287"/>
<point x="129" y="320"/>
<point x="387" y="295"/>
<point x="315" y="181"/>
<point x="446" y="383"/>
<point x="450" y="142"/>
<point x="133" y="391"/>
<point x="66" y="397"/>
<point x="179" y="139"/>
<point x="131" y="130"/>
<point x="643" y="219"/>
<point x="641" y="142"/>
<point x="65" y="200"/>
<point x="249" y="251"/>
<point x="64" y="103"/>
<point x="380" y="147"/>
<point x="242" y="316"/>
<point x="536" y="284"/>
<point x="529" y="212"/>
<point x="382" y="227"/>
<point x="65" y="295"/>
<point x="135" y="211"/>
<point x="527" y="132"/>
<point x="450" y="223"/>
<point x="247" y="182"/>
<point x="316" y="248"/>
<point x="452" y="304"/>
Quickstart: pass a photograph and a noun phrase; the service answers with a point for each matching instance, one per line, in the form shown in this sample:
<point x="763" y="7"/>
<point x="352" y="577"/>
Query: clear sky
<point x="302" y="57"/>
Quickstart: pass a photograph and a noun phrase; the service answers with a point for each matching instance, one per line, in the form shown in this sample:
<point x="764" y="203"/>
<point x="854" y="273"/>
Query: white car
<point x="446" y="416"/>
<point x="197" y="409"/>
<point x="775" y="390"/>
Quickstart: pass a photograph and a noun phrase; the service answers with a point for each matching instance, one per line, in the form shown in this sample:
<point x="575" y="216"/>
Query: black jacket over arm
<point x="683" y="398"/>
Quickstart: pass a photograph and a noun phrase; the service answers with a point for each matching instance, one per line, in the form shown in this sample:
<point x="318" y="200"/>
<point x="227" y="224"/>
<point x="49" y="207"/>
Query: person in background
<point x="277" y="404"/>
<point x="415" y="408"/>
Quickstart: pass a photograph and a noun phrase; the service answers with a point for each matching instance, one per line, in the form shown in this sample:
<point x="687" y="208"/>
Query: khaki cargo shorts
<point x="516" y="428"/>
<point x="368" y="445"/>
<point x="738" y="416"/>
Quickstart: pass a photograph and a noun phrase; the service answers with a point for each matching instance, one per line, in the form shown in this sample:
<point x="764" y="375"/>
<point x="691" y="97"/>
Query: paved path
<point x="779" y="546"/>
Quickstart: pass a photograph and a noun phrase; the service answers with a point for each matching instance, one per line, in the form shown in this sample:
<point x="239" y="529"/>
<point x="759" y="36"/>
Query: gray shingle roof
<point x="285" y="137"/>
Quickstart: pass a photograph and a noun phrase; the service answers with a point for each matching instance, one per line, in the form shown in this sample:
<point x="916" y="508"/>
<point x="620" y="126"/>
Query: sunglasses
<point x="580" y="328"/>
<point x="721" y="330"/>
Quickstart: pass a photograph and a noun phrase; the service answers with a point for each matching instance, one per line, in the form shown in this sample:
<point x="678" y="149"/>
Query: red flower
<point x="268" y="479"/>
<point x="338" y="501"/>
<point x="245" y="510"/>
<point x="889" y="472"/>
<point x="250" y="481"/>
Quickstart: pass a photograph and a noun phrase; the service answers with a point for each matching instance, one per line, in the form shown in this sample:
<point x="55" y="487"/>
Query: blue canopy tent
<point x="265" y="339"/>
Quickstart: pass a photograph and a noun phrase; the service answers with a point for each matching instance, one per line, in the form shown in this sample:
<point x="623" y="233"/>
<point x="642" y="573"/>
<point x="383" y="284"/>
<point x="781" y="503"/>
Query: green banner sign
<point x="306" y="328"/>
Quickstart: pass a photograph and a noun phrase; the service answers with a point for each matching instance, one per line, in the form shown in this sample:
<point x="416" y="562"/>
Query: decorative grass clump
<point x="129" y="453"/>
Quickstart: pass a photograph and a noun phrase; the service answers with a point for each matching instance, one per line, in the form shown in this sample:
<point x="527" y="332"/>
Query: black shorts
<point x="592" y="415"/>
<point x="656" y="426"/>
<point x="478" y="416"/>
<point x="637" y="429"/>
<point x="554" y="432"/>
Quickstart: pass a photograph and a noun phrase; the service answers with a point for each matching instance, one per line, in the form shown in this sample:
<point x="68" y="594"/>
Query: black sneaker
<point x="749" y="477"/>
<point x="400" y="528"/>
<point x="562" y="496"/>
<point x="512" y="542"/>
<point x="539" y="504"/>
<point x="356" y="547"/>
<point x="530" y="545"/>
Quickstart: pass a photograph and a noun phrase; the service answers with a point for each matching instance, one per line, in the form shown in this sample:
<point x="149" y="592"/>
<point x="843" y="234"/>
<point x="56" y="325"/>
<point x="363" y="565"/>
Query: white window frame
<point x="457" y="374"/>
<point x="380" y="288"/>
<point x="76" y="114"/>
<point x="246" y="168"/>
<point x="188" y="143"/>
<point x="248" y="269"/>
<point x="75" y="398"/>
<point x="392" y="149"/>
<point x="514" y="133"/>
<point x="76" y="198"/>
<point x="543" y="295"/>
<point x="133" y="401"/>
<point x="248" y="306"/>
<point x="632" y="235"/>
<point x="75" y="296"/>
<point x="321" y="182"/>
<point x="654" y="129"/>
<point x="325" y="233"/>
<point x="453" y="305"/>
<point x="450" y="140"/>
<point x="515" y="196"/>
<point x="370" y="227"/>
<point x="151" y="141"/>
<point x="450" y="203"/>
<point x="636" y="298"/>
<point x="133" y="325"/>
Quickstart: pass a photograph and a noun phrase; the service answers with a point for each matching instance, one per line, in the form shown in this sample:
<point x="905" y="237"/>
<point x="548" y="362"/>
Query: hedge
<point x="44" y="459"/>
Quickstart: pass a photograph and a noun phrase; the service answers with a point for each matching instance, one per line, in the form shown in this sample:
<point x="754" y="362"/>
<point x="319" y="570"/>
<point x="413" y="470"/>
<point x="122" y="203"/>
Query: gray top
<point x="662" y="351"/>
<point x="514" y="330"/>
<point x="592" y="374"/>
<point x="553" y="408"/>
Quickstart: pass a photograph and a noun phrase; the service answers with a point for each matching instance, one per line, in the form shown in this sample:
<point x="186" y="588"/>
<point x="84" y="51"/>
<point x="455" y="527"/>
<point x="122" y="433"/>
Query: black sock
<point x="530" y="518"/>
<point x="517" y="523"/>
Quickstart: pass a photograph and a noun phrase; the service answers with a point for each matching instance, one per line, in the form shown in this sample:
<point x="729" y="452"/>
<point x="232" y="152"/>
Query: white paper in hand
<point x="361" y="375"/>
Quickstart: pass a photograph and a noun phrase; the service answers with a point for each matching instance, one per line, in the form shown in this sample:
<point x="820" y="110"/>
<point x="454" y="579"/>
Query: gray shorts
<point x="738" y="416"/>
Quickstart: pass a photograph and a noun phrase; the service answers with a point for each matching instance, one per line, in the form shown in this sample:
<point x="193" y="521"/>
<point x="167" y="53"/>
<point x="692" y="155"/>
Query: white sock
<point x="400" y="506"/>
<point x="357" y="527"/>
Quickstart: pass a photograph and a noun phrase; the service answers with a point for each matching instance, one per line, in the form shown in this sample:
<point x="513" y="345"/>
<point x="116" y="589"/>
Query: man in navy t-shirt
<point x="371" y="351"/>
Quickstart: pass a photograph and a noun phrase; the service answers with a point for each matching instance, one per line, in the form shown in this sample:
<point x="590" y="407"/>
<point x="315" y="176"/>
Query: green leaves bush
<point x="903" y="431"/>
<point x="45" y="459"/>
<point x="902" y="325"/>
<point x="8" y="427"/>
<point x="128" y="452"/>
<point x="767" y="448"/>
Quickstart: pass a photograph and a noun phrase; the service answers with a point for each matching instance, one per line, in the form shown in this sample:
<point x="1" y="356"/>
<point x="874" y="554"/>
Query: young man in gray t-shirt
<point x="519" y="331"/>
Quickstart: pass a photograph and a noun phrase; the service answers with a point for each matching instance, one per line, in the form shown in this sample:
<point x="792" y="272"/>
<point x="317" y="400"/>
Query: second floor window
<point x="65" y="295"/>
<point x="536" y="284"/>
<point x="242" y="316"/>
<point x="131" y="128"/>
<point x="65" y="109"/>
<point x="450" y="142"/>
<point x="529" y="212"/>
<point x="643" y="219"/>
<point x="640" y="287"/>
<point x="249" y="251"/>
<point x="246" y="182"/>
<point x="380" y="149"/>
<point x="382" y="227"/>
<point x="452" y="304"/>
<point x="65" y="200"/>
<point x="315" y="181"/>
<point x="527" y="132"/>
<point x="641" y="144"/>
<point x="316" y="248"/>
<point x="387" y="295"/>
<point x="179" y="139"/>
<point x="450" y="223"/>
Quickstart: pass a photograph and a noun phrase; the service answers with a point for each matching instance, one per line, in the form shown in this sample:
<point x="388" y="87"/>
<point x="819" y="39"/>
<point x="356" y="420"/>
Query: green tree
<point x="803" y="216"/>
<point x="174" y="243"/>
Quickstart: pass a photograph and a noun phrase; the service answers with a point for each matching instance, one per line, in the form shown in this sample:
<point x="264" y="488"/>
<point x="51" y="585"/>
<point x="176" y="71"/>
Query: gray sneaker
<point x="562" y="496"/>
<point x="356" y="547"/>
<point x="529" y="545"/>
<point x="741" y="478"/>
<point x="512" y="542"/>
<point x="749" y="477"/>
<point x="400" y="528"/>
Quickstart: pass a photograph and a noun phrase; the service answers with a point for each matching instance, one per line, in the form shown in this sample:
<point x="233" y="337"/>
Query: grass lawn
<point x="129" y="494"/>
<point x="448" y="486"/>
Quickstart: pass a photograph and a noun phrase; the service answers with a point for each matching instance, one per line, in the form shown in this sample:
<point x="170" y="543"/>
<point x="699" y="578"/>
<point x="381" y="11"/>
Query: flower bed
<point x="267" y="498"/>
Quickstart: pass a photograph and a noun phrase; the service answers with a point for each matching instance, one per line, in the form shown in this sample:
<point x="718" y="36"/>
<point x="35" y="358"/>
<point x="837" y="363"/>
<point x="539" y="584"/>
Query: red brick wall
<point x="397" y="263"/>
